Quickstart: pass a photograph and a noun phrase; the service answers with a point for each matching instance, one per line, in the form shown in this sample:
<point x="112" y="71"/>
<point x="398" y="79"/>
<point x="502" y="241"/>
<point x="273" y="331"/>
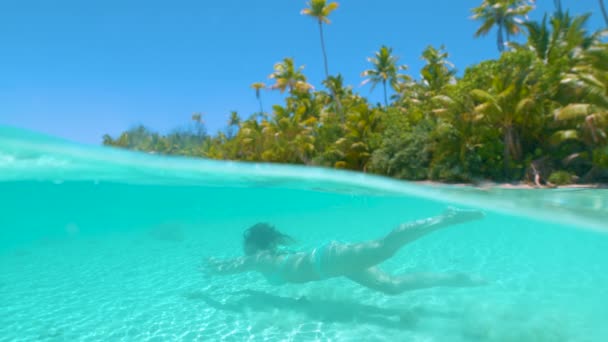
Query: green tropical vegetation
<point x="537" y="113"/>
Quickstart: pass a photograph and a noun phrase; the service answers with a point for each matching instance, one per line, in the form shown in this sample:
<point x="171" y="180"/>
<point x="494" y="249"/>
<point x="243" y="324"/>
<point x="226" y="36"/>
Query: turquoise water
<point x="100" y="244"/>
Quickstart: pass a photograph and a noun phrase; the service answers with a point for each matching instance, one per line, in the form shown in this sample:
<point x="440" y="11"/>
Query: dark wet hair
<point x="263" y="237"/>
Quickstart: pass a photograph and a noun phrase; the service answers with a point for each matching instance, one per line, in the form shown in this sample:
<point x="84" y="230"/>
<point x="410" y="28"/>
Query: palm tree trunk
<point x="506" y="155"/>
<point x="323" y="49"/>
<point x="512" y="148"/>
<point x="500" y="40"/>
<point x="259" y="97"/>
<point x="333" y="93"/>
<point x="385" y="98"/>
<point x="261" y="107"/>
<point x="604" y="11"/>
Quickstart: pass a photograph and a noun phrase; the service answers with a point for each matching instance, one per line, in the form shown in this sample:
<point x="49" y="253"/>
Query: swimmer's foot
<point x="455" y="216"/>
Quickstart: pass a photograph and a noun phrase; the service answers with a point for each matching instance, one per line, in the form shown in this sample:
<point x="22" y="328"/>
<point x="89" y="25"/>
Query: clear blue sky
<point x="79" y="69"/>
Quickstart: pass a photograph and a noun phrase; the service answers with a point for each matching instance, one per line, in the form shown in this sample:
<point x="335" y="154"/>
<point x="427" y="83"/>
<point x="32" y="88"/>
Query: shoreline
<point x="487" y="185"/>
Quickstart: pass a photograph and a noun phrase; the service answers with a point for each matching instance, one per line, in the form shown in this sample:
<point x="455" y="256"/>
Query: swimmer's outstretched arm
<point x="228" y="266"/>
<point x="237" y="265"/>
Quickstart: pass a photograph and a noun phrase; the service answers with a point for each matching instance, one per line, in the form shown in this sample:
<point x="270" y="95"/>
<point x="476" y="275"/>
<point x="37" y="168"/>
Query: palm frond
<point x="482" y="95"/>
<point x="572" y="111"/>
<point x="564" y="135"/>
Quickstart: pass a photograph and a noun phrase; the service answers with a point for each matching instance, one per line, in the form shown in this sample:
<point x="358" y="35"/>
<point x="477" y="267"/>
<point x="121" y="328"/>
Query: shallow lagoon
<point x="104" y="244"/>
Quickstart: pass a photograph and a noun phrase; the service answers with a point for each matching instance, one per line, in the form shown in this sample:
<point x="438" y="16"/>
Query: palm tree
<point x="286" y="76"/>
<point x="107" y="140"/>
<point x="455" y="136"/>
<point x="510" y="105"/>
<point x="540" y="39"/>
<point x="570" y="35"/>
<point x="354" y="149"/>
<point x="288" y="135"/>
<point x="385" y="70"/>
<point x="250" y="140"/>
<point x="506" y="15"/>
<point x="559" y="44"/>
<point x="438" y="71"/>
<point x="233" y="122"/>
<point x="335" y="84"/>
<point x="558" y="5"/>
<point x="258" y="86"/>
<point x="198" y="118"/>
<point x="320" y="10"/>
<point x="199" y="125"/>
<point x="585" y="117"/>
<point x="589" y="82"/>
<point x="604" y="11"/>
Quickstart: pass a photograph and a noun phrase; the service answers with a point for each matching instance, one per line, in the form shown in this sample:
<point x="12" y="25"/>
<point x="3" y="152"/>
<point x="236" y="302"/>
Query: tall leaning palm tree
<point x="385" y="70"/>
<point x="320" y="10"/>
<point x="506" y="15"/>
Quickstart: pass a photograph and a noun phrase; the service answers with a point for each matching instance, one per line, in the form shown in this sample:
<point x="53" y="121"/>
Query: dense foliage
<point x="537" y="113"/>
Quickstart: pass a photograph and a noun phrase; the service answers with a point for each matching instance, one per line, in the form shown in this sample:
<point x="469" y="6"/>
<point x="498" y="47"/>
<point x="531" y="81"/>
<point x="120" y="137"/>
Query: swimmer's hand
<point x="214" y="266"/>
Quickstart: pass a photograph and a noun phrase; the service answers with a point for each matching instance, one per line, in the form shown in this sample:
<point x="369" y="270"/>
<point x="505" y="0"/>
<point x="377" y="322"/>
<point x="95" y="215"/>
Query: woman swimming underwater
<point x="355" y="261"/>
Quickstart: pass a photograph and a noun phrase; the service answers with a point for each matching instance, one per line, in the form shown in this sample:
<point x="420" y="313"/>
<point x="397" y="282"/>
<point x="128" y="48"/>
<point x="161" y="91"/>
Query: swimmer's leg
<point x="375" y="279"/>
<point x="409" y="232"/>
<point x="345" y="259"/>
